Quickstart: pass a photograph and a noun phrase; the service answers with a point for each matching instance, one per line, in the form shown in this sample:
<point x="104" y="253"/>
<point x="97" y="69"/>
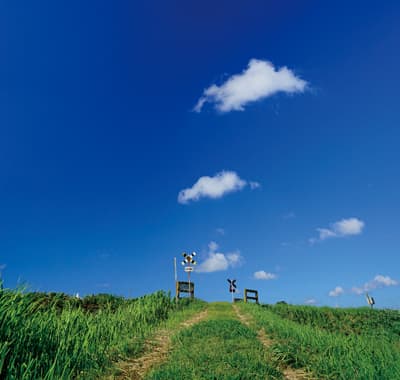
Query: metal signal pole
<point x="176" y="274"/>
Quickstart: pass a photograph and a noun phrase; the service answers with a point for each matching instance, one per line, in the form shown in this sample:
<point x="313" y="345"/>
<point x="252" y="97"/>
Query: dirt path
<point x="155" y="351"/>
<point x="289" y="373"/>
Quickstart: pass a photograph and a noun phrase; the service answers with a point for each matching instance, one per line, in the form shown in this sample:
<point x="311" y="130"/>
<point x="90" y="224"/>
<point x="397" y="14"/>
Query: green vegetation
<point x="217" y="348"/>
<point x="53" y="336"/>
<point x="314" y="339"/>
<point x="361" y="321"/>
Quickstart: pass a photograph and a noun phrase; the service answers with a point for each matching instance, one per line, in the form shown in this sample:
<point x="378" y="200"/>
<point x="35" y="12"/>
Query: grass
<point x="217" y="348"/>
<point x="54" y="336"/>
<point x="381" y="324"/>
<point x="327" y="353"/>
<point x="64" y="341"/>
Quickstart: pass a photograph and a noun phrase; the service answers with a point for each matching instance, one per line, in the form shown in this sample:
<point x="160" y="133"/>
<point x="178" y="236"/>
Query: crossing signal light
<point x="189" y="259"/>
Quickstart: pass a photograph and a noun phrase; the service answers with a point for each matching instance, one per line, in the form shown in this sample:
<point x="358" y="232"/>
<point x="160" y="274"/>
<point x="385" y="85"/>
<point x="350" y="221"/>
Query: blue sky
<point x="263" y="136"/>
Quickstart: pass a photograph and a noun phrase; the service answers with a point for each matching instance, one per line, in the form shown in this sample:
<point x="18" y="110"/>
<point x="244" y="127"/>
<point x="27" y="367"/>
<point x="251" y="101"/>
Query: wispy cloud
<point x="336" y="292"/>
<point x="254" y="185"/>
<point x="218" y="261"/>
<point x="214" y="187"/>
<point x="262" y="275"/>
<point x="310" y="301"/>
<point x="379" y="281"/>
<point x="342" y="228"/>
<point x="220" y="231"/>
<point x="258" y="81"/>
<point x="3" y="266"/>
<point x="289" y="215"/>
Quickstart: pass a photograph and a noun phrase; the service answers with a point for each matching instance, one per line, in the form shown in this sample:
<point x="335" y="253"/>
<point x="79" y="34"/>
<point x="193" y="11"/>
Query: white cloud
<point x="212" y="246"/>
<point x="213" y="187"/>
<point x="325" y="233"/>
<point x="342" y="228"/>
<point x="289" y="215"/>
<point x="310" y="301"/>
<point x="221" y="231"/>
<point x="336" y="292"/>
<point x="262" y="275"/>
<point x="378" y="281"/>
<point x="259" y="80"/>
<point x="218" y="261"/>
<point x="351" y="226"/>
<point x="254" y="185"/>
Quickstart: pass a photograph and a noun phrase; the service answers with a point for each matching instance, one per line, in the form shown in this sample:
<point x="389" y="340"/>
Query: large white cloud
<point x="218" y="261"/>
<point x="263" y="275"/>
<point x="259" y="80"/>
<point x="214" y="187"/>
<point x="336" y="292"/>
<point x="342" y="228"/>
<point x="379" y="281"/>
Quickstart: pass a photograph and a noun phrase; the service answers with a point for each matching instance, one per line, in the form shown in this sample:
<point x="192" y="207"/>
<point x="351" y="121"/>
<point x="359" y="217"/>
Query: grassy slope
<point x="217" y="348"/>
<point x="381" y="324"/>
<point x="54" y="342"/>
<point x="60" y="340"/>
<point x="329" y="354"/>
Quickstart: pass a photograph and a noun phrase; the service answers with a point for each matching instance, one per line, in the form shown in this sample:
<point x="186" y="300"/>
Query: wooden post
<point x="254" y="295"/>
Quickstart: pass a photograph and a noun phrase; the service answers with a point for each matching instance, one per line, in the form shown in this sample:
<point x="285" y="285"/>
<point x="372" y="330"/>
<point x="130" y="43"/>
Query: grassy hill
<point x="54" y="336"/>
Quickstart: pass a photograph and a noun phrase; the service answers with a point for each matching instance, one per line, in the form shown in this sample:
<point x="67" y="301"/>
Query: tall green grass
<point x="328" y="354"/>
<point x="68" y="342"/>
<point x="360" y="321"/>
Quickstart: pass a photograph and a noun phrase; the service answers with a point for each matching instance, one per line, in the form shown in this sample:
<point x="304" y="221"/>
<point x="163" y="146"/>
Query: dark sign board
<point x="183" y="287"/>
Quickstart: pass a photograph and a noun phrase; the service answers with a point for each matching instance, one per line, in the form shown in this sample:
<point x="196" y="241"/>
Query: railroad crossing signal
<point x="370" y="300"/>
<point x="189" y="259"/>
<point x="188" y="262"/>
<point x="232" y="286"/>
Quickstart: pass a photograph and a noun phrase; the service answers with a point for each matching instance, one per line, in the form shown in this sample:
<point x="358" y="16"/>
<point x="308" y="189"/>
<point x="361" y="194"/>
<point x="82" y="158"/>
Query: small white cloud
<point x="213" y="246"/>
<point x="336" y="292"/>
<point x="220" y="231"/>
<point x="310" y="301"/>
<point x="342" y="228"/>
<point x="234" y="258"/>
<point x="254" y="185"/>
<point x="351" y="226"/>
<point x="385" y="280"/>
<point x="262" y="275"/>
<point x="378" y="281"/>
<point x="325" y="233"/>
<point x="2" y="266"/>
<point x="289" y="215"/>
<point x="218" y="261"/>
<point x="213" y="187"/>
<point x="259" y="80"/>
